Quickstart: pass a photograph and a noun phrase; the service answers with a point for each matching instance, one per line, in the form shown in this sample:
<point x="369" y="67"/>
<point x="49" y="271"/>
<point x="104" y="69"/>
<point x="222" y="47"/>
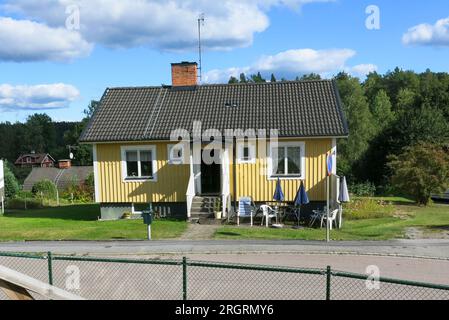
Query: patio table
<point x="281" y="212"/>
<point x="317" y="215"/>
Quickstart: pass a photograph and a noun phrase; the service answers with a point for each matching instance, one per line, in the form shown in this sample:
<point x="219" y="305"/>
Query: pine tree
<point x="243" y="78"/>
<point x="257" y="78"/>
<point x="233" y="80"/>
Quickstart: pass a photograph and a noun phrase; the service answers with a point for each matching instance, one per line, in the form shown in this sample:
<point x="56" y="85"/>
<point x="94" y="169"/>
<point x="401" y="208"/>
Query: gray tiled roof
<point x="296" y="109"/>
<point x="63" y="178"/>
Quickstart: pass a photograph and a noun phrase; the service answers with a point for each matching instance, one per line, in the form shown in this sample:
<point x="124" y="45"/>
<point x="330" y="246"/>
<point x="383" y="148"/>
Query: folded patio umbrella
<point x="344" y="194"/>
<point x="301" y="199"/>
<point x="342" y="198"/>
<point x="278" y="194"/>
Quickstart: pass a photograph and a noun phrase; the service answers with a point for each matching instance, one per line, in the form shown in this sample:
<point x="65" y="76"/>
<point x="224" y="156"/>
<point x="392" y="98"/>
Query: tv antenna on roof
<point x="200" y="23"/>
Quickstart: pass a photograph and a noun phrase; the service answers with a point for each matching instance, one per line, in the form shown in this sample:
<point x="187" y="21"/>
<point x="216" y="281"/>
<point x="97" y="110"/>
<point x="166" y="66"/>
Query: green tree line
<point x="39" y="133"/>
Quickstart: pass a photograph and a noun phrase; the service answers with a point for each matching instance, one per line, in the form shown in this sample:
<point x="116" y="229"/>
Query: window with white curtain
<point x="287" y="160"/>
<point x="139" y="163"/>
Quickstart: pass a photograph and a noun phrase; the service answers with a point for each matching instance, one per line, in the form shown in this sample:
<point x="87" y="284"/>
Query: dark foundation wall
<point x="115" y="211"/>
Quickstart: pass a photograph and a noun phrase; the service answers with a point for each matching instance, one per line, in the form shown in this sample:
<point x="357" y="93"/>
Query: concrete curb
<point x="211" y="252"/>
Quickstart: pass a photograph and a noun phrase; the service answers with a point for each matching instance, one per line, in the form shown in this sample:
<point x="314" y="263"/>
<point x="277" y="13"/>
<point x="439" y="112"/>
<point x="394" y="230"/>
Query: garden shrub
<point x="365" y="189"/>
<point x="24" y="194"/>
<point x="81" y="193"/>
<point x="89" y="183"/>
<point x="11" y="185"/>
<point x="19" y="203"/>
<point x="368" y="208"/>
<point x="45" y="188"/>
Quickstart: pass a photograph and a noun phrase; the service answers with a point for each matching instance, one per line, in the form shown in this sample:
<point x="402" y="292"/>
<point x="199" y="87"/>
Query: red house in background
<point x="43" y="160"/>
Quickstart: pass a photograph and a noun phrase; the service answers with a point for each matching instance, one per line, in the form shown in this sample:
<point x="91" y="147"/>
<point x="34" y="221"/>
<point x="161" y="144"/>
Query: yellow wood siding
<point x="172" y="180"/>
<point x="253" y="181"/>
<point x="171" y="184"/>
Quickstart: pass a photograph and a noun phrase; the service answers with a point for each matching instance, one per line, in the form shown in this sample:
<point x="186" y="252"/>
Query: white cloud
<point x="362" y="70"/>
<point x="23" y="40"/>
<point x="167" y="25"/>
<point x="304" y="61"/>
<point x="427" y="34"/>
<point x="37" y="97"/>
<point x="223" y="75"/>
<point x="292" y="63"/>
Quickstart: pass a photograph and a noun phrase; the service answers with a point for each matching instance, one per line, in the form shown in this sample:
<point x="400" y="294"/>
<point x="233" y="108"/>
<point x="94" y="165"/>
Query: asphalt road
<point x="423" y="261"/>
<point x="407" y="248"/>
<point x="121" y="281"/>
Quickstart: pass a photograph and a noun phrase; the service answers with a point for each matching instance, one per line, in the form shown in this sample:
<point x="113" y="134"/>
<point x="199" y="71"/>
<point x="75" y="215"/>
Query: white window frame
<point x="175" y="160"/>
<point x="252" y="152"/>
<point x="151" y="148"/>
<point x="302" y="146"/>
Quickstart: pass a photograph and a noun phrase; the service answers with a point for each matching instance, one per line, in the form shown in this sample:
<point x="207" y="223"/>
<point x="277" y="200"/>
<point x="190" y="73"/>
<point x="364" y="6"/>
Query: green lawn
<point x="79" y="222"/>
<point x="434" y="218"/>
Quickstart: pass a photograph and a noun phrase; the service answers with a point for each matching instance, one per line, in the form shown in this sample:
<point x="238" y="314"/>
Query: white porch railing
<point x="190" y="194"/>
<point x="226" y="188"/>
<point x="195" y="182"/>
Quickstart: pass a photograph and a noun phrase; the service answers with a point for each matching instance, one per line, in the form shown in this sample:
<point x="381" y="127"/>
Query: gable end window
<point x="287" y="161"/>
<point x="246" y="152"/>
<point x="139" y="163"/>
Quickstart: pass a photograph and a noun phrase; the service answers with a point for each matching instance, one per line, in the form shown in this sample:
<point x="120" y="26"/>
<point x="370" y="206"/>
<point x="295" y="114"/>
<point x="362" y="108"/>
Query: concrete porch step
<point x="206" y="221"/>
<point x="203" y="209"/>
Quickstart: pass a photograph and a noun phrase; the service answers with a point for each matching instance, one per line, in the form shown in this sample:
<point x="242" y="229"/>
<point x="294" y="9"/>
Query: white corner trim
<point x="252" y="152"/>
<point x="300" y="144"/>
<point x="151" y="148"/>
<point x="96" y="177"/>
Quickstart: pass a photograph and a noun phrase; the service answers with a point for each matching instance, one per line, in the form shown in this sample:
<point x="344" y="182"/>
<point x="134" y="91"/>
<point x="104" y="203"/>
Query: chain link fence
<point x="134" y="279"/>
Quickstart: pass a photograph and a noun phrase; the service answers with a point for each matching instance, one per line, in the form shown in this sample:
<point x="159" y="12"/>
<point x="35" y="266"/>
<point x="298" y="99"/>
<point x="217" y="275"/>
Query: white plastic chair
<point x="332" y="218"/>
<point x="247" y="209"/>
<point x="268" y="213"/>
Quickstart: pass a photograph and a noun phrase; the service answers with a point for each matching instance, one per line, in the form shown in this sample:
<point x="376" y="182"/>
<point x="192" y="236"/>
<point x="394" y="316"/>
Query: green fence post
<point x="50" y="268"/>
<point x="328" y="282"/>
<point x="184" y="278"/>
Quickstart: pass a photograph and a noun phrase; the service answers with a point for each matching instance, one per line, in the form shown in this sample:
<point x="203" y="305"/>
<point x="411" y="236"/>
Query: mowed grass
<point x="79" y="222"/>
<point x="431" y="219"/>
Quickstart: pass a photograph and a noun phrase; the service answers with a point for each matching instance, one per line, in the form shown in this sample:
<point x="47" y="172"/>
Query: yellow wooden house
<point x="183" y="145"/>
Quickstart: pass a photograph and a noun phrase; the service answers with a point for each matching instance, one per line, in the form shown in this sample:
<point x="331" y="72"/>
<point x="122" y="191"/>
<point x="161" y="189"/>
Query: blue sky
<point x="45" y="67"/>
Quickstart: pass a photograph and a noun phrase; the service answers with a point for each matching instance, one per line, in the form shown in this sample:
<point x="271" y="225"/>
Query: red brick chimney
<point x="184" y="74"/>
<point x="64" y="164"/>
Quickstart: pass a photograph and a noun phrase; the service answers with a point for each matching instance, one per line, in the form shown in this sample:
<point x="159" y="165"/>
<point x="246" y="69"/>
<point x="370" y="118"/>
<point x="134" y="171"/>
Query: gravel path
<point x="197" y="231"/>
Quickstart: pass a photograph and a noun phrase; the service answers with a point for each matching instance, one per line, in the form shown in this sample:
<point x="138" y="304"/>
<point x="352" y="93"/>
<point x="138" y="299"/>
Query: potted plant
<point x="217" y="210"/>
